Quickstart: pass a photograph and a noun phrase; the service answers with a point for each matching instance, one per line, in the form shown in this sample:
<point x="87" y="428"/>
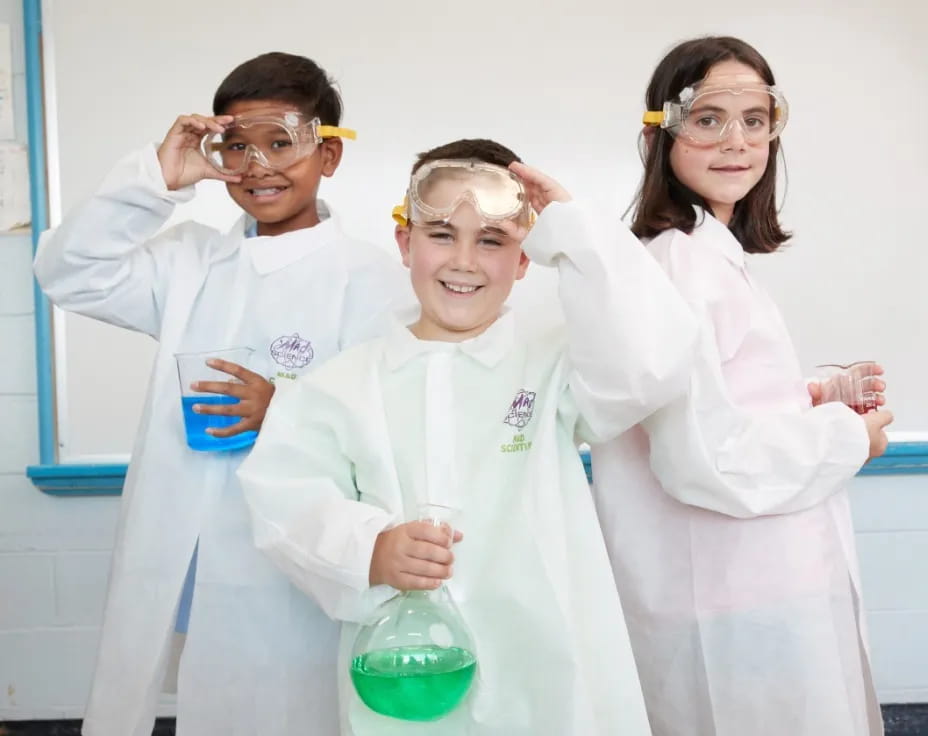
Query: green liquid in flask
<point x="420" y="683"/>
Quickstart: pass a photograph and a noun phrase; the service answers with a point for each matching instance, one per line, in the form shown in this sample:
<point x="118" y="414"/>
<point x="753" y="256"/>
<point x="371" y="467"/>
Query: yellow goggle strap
<point x="400" y="215"/>
<point x="653" y="117"/>
<point x="331" y="131"/>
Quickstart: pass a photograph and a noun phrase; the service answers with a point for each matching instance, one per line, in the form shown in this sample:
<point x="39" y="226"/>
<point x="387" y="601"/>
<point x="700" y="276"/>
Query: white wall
<point x="54" y="551"/>
<point x="563" y="85"/>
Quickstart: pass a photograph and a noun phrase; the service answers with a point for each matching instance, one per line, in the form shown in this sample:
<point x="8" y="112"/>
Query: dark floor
<point x="906" y="720"/>
<point x="163" y="727"/>
<point x="900" y="720"/>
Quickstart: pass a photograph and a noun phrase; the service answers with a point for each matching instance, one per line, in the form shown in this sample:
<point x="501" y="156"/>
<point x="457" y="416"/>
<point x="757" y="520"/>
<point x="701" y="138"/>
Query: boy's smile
<point x="285" y="200"/>
<point x="462" y="273"/>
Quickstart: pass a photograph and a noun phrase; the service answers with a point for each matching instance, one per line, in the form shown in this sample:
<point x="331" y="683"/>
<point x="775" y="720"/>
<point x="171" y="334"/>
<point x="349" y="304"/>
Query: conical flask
<point x="414" y="658"/>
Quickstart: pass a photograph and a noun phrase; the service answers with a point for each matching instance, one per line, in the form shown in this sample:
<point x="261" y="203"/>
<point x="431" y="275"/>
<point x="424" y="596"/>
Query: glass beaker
<point x="192" y="367"/>
<point x="414" y="659"/>
<point x="850" y="384"/>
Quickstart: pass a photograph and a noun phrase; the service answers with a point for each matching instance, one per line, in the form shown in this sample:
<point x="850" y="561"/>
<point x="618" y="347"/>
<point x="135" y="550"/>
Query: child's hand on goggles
<point x="182" y="162"/>
<point x="540" y="188"/>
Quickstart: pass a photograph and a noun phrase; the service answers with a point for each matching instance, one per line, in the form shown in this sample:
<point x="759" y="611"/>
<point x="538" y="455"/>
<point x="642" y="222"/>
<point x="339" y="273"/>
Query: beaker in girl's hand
<point x="857" y="385"/>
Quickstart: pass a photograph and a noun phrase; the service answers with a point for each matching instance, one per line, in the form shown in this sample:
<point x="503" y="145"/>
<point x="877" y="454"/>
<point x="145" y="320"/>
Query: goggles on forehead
<point x="708" y="112"/>
<point x="438" y="188"/>
<point x="272" y="141"/>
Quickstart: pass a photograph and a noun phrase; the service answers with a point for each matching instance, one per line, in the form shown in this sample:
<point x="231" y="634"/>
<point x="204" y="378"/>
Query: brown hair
<point x="663" y="201"/>
<point x="477" y="149"/>
<point x="283" y="78"/>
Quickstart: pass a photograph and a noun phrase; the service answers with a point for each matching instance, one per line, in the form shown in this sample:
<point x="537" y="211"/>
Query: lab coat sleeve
<point x="630" y="336"/>
<point x="305" y="513"/>
<point x="104" y="260"/>
<point x="707" y="452"/>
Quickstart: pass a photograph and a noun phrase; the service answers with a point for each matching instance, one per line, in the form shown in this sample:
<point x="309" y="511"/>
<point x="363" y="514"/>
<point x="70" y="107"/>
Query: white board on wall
<point x="563" y="86"/>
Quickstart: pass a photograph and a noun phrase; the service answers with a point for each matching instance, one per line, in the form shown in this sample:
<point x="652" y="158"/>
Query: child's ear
<point x="647" y="133"/>
<point x="402" y="240"/>
<point x="523" y="265"/>
<point x="331" y="152"/>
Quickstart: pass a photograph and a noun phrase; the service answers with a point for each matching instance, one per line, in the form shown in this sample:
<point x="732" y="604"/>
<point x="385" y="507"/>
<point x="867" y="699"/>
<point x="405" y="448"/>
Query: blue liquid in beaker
<point x="196" y="425"/>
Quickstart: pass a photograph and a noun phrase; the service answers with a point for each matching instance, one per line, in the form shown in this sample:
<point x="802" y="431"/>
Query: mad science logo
<point x="292" y="351"/>
<point x="520" y="411"/>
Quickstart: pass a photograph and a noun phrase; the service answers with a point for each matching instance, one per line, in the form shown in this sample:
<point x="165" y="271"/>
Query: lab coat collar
<point x="719" y="237"/>
<point x="270" y="253"/>
<point x="488" y="348"/>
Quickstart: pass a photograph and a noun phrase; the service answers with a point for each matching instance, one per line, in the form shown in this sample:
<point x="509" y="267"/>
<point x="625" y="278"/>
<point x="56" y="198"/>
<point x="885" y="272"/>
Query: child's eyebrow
<point x="493" y="230"/>
<point x="708" y="108"/>
<point x="715" y="109"/>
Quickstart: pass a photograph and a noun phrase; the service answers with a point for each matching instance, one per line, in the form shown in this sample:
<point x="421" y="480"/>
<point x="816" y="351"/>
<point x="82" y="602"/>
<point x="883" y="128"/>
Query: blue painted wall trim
<point x="78" y="479"/>
<point x="38" y="196"/>
<point x="901" y="458"/>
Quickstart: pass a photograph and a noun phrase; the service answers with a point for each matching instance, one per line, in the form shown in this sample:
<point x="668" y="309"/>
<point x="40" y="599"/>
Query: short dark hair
<point x="284" y="78"/>
<point x="663" y="201"/>
<point x="476" y="149"/>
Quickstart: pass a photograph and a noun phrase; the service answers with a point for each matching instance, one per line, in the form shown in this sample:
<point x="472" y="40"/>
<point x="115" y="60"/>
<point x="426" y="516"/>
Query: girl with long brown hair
<point x="724" y="513"/>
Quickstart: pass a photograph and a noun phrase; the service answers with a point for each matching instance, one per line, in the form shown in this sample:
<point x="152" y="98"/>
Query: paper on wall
<point x="7" y="132"/>
<point x="14" y="186"/>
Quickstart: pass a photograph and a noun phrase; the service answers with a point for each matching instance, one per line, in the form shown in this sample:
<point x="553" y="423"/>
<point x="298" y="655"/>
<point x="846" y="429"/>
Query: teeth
<point x="263" y="192"/>
<point x="460" y="289"/>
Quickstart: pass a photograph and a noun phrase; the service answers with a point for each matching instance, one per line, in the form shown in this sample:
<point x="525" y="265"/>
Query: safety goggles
<point x="709" y="112"/>
<point x="273" y="141"/>
<point x="438" y="188"/>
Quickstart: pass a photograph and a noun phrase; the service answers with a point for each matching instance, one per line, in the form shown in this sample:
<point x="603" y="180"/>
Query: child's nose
<point x="255" y="162"/>
<point x="733" y="134"/>
<point x="464" y="258"/>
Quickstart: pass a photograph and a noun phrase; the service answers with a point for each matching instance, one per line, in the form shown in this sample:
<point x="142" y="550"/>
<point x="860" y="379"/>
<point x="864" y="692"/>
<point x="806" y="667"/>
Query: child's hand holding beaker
<point x="857" y="385"/>
<point x="876" y="422"/>
<point x="860" y="387"/>
<point x="223" y="402"/>
<point x="253" y="391"/>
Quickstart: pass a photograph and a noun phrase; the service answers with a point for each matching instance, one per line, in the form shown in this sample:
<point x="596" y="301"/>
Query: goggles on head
<point x="272" y="141"/>
<point x="438" y="188"/>
<point x="708" y="111"/>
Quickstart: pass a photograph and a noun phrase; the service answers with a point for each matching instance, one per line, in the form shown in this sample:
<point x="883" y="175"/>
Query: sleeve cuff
<point x="149" y="171"/>
<point x="556" y="226"/>
<point x="857" y="444"/>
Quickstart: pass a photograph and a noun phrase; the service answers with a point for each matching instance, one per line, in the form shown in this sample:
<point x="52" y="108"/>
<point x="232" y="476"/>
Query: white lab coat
<point x="488" y="426"/>
<point x="258" y="654"/>
<point x="735" y="557"/>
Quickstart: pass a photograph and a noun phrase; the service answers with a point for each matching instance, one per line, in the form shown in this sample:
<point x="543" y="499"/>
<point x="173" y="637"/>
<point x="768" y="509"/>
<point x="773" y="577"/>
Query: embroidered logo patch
<point x="292" y="351"/>
<point x="520" y="411"/>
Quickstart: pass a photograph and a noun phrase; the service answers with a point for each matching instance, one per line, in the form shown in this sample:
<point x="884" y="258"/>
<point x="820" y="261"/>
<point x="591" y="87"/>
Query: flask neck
<point x="425" y="594"/>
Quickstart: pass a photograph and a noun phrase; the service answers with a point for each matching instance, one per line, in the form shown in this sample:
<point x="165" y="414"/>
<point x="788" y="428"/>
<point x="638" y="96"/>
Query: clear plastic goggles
<point x="708" y="113"/>
<point x="273" y="141"/>
<point x="438" y="188"/>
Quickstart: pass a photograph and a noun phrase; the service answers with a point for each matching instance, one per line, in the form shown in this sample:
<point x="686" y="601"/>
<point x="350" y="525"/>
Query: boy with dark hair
<point x="285" y="282"/>
<point x="453" y="407"/>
